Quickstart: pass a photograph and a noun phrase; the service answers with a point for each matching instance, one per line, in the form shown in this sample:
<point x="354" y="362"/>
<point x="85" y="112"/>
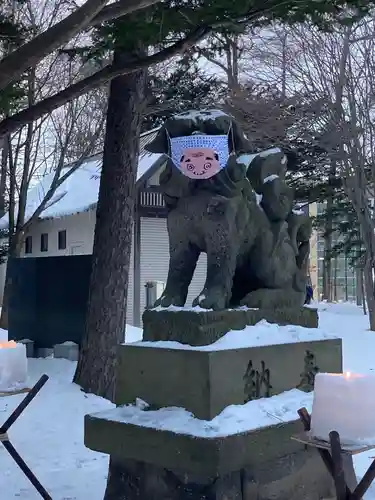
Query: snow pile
<point x="3" y="335"/>
<point x="79" y="192"/>
<point x="133" y="334"/>
<point x="50" y="437"/>
<point x="232" y="420"/>
<point x="270" y="178"/>
<point x="268" y="152"/>
<point x="13" y="366"/>
<point x="246" y="159"/>
<point x="54" y="420"/>
<point x="262" y="334"/>
<point x="200" y="115"/>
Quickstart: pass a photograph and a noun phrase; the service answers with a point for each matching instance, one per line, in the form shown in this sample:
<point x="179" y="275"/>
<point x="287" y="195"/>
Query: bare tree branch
<point x="59" y="179"/>
<point x="121" y="8"/>
<point x="29" y="54"/>
<point x="96" y="80"/>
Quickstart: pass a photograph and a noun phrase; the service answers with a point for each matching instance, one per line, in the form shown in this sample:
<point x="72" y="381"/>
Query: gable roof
<point x="81" y="189"/>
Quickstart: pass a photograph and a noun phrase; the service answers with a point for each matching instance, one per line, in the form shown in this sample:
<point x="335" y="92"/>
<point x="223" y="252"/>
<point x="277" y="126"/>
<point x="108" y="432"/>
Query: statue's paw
<point x="211" y="299"/>
<point x="167" y="300"/>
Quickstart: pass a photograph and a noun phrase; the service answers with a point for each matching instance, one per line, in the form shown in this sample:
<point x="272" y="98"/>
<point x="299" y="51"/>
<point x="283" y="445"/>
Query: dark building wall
<point x="48" y="298"/>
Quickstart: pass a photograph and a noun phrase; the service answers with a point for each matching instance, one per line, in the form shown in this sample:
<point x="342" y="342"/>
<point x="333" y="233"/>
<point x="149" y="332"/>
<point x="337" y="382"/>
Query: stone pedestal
<point x="198" y="327"/>
<point x="44" y="352"/>
<point x="68" y="350"/>
<point x="298" y="476"/>
<point x="251" y="460"/>
<point x="161" y="465"/>
<point x="205" y="382"/>
<point x="30" y="347"/>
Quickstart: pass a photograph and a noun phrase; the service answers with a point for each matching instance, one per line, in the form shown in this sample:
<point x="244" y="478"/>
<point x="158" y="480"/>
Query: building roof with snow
<point x="81" y="189"/>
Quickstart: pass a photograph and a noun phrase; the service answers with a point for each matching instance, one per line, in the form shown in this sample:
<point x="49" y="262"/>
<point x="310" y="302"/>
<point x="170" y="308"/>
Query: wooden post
<point x="338" y="468"/>
<point x="346" y="460"/>
<point x="365" y="483"/>
<point x="26" y="470"/>
<point x="4" y="438"/>
<point x="24" y="403"/>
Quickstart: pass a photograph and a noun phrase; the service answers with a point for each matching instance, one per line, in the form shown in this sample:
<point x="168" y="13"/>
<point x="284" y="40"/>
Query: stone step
<point x="198" y="327"/>
<point x="30" y="347"/>
<point x="260" y="464"/>
<point x="205" y="382"/>
<point x="68" y="350"/>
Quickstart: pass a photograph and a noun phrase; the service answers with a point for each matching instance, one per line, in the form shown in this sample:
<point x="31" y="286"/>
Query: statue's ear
<point x="238" y="140"/>
<point x="159" y="144"/>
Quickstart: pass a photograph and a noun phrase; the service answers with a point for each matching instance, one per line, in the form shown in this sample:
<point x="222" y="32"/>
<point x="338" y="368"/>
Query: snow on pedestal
<point x="344" y="402"/>
<point x="13" y="366"/>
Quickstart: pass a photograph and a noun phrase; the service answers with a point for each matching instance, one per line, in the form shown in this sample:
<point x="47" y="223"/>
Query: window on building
<point x="44" y="242"/>
<point x="62" y="240"/>
<point x="29" y="244"/>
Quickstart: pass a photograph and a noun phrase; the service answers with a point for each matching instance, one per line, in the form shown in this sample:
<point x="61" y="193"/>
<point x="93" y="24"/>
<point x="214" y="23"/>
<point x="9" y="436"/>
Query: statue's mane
<point x="208" y="122"/>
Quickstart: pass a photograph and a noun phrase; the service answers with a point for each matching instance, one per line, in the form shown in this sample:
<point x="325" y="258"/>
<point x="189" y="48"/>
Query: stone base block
<point x="159" y="465"/>
<point x="200" y="327"/>
<point x="44" y="352"/>
<point x="67" y="350"/>
<point x="30" y="347"/>
<point x="300" y="477"/>
<point x="205" y="382"/>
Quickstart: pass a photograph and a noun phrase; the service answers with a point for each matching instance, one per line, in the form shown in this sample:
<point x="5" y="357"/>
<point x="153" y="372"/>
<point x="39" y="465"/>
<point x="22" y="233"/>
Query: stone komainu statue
<point x="235" y="207"/>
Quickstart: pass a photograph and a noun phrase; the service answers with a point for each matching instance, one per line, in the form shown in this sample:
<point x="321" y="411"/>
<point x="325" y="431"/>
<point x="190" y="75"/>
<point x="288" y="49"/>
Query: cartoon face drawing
<point x="199" y="163"/>
<point x="199" y="156"/>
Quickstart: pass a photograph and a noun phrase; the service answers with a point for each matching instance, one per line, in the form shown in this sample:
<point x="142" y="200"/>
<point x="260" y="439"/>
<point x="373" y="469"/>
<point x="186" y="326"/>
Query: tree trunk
<point x="13" y="252"/>
<point x="327" y="268"/>
<point x="327" y="263"/>
<point x="3" y="176"/>
<point x="369" y="291"/>
<point x="335" y="297"/>
<point x="4" y="307"/>
<point x="346" y="279"/>
<point x="364" y="305"/>
<point x="284" y="49"/>
<point x="106" y="315"/>
<point x="359" y="285"/>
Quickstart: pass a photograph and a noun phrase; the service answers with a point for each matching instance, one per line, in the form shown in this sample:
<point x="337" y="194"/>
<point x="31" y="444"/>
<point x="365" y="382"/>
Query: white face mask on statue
<point x="200" y="156"/>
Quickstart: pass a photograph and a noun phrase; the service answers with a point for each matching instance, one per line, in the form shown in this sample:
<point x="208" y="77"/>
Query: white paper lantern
<point x="13" y="366"/>
<point x="344" y="402"/>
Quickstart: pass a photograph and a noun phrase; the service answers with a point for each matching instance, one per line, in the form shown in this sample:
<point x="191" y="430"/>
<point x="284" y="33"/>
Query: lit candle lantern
<point x="13" y="366"/>
<point x="344" y="402"/>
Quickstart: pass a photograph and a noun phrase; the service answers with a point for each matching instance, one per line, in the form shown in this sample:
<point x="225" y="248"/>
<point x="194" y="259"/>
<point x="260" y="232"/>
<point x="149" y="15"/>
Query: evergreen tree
<point x="185" y="87"/>
<point x="345" y="229"/>
<point x="12" y="35"/>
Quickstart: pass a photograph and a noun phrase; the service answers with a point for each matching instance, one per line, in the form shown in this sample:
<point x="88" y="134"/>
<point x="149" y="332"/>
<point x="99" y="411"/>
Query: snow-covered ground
<point x="49" y="435"/>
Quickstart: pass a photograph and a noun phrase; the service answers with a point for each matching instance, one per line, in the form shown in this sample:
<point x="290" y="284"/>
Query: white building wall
<point x="129" y="306"/>
<point x="3" y="270"/>
<point x="79" y="241"/>
<point x="154" y="180"/>
<point x="155" y="259"/>
<point x="80" y="236"/>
